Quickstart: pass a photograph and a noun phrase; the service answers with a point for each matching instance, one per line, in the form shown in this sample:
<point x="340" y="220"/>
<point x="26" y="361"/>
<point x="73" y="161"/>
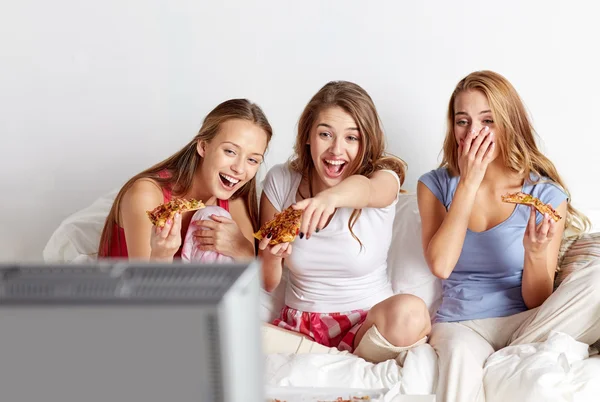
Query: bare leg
<point x="392" y="327"/>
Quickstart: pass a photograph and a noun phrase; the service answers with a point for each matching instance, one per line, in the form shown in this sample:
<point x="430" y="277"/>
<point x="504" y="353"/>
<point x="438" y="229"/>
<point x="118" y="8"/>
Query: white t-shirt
<point x="329" y="272"/>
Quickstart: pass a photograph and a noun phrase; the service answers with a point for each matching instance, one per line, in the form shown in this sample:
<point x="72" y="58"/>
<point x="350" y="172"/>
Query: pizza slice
<point x="528" y="199"/>
<point x="284" y="227"/>
<point x="159" y="215"/>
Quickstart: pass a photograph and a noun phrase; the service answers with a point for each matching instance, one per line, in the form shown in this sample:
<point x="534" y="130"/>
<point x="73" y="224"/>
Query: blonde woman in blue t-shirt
<point x="497" y="260"/>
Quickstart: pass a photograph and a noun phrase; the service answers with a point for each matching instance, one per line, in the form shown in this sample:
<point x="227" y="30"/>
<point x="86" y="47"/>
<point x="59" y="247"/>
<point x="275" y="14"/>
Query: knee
<point x="448" y="346"/>
<point x="402" y="319"/>
<point x="454" y="342"/>
<point x="593" y="282"/>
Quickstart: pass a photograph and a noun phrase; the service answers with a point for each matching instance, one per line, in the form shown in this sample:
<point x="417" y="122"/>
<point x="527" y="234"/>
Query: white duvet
<point x="559" y="369"/>
<point x="417" y="376"/>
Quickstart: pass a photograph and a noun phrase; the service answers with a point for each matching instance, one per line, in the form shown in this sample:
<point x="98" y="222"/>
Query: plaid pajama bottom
<point x="329" y="329"/>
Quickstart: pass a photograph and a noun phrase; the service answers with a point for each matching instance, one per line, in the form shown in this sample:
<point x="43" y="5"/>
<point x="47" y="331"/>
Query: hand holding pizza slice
<point x="528" y="199"/>
<point x="283" y="228"/>
<point x="161" y="214"/>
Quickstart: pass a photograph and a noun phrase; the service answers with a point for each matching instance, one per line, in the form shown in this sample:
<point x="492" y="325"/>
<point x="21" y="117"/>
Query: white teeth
<point x="230" y="179"/>
<point x="335" y="162"/>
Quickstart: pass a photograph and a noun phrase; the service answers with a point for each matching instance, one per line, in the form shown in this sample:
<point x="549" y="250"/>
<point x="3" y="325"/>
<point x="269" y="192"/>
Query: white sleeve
<point x="399" y="185"/>
<point x="276" y="185"/>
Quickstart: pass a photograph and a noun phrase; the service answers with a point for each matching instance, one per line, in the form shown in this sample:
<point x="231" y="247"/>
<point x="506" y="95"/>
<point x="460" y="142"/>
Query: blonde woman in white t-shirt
<point x="338" y="293"/>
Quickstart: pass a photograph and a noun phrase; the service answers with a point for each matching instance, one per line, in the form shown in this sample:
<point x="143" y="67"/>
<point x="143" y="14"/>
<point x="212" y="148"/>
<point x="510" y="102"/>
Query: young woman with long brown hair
<point x="218" y="166"/>
<point x="338" y="293"/>
<point x="497" y="260"/>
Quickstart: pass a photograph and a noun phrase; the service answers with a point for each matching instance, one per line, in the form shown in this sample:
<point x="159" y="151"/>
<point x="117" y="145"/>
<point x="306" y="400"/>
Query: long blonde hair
<point x="371" y="157"/>
<point x="516" y="144"/>
<point x="181" y="167"/>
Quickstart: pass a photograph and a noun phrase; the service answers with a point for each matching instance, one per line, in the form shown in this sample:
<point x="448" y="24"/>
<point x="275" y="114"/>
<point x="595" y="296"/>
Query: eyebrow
<point x="331" y="128"/>
<point x="466" y="114"/>
<point x="238" y="147"/>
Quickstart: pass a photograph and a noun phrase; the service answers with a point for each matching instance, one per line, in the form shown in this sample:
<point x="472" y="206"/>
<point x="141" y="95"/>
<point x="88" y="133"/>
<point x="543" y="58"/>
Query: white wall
<point x="93" y="92"/>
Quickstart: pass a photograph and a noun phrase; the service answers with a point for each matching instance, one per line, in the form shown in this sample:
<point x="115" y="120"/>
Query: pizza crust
<point x="284" y="227"/>
<point x="161" y="214"/>
<point x="528" y="199"/>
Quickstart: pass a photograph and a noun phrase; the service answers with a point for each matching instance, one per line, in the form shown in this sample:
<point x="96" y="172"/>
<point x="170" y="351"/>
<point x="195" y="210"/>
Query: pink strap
<point x="223" y="204"/>
<point x="167" y="193"/>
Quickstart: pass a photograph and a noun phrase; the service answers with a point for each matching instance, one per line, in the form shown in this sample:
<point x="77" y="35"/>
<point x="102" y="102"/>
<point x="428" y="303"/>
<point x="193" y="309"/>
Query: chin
<point x="224" y="192"/>
<point x="329" y="181"/>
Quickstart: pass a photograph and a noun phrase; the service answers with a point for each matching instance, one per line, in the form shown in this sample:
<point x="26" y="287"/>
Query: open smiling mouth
<point x="334" y="168"/>
<point x="228" y="181"/>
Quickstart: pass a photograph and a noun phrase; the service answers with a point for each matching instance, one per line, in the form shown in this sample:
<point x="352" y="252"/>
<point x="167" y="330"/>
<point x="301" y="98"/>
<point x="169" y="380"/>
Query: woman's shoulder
<point x="441" y="174"/>
<point x="280" y="177"/>
<point x="282" y="172"/>
<point x="441" y="183"/>
<point x="280" y="183"/>
<point x="143" y="195"/>
<point x="144" y="191"/>
<point x="546" y="189"/>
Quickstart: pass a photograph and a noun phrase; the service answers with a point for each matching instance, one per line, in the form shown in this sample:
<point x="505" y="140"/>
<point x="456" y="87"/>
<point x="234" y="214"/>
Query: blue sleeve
<point x="549" y="193"/>
<point x="436" y="181"/>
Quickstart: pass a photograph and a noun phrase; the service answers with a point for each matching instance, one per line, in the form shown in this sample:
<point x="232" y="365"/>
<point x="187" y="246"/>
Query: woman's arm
<point x="144" y="195"/>
<point x="272" y="257"/>
<point x="357" y="192"/>
<point x="443" y="233"/>
<point x="541" y="244"/>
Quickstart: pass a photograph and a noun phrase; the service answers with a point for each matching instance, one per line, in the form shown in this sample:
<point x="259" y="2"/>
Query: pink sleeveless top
<point x="118" y="247"/>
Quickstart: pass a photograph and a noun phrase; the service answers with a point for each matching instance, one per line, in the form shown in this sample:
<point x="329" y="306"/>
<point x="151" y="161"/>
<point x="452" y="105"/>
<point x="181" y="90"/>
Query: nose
<point x="477" y="127"/>
<point x="238" y="165"/>
<point x="336" y="146"/>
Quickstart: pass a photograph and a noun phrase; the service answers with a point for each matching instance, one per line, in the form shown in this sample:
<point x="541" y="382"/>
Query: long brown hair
<point x="516" y="144"/>
<point x="181" y="167"/>
<point x="371" y="157"/>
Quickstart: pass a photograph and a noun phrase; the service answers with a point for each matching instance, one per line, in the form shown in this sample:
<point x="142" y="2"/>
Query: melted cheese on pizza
<point x="284" y="227"/>
<point x="528" y="199"/>
<point x="159" y="215"/>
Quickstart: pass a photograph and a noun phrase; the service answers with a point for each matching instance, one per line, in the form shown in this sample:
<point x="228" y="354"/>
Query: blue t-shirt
<point x="486" y="281"/>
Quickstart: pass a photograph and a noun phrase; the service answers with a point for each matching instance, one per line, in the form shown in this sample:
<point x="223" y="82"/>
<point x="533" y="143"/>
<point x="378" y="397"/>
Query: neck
<point x="198" y="190"/>
<point x="497" y="175"/>
<point x="316" y="185"/>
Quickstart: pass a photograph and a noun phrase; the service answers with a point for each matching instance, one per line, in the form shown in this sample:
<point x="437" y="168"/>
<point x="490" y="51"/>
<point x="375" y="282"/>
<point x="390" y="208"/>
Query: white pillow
<point x="78" y="236"/>
<point x="407" y="269"/>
